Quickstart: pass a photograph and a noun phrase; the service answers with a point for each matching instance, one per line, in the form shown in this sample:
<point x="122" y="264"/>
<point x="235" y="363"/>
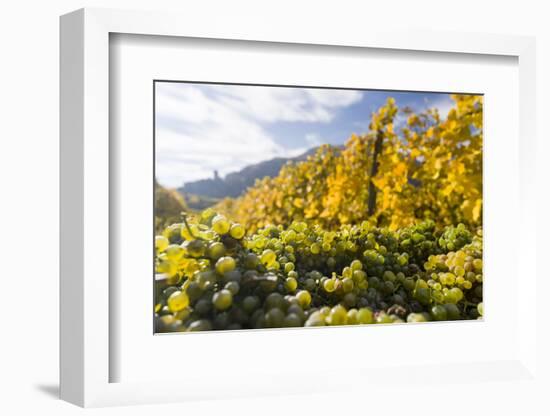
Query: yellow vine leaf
<point x="418" y="177"/>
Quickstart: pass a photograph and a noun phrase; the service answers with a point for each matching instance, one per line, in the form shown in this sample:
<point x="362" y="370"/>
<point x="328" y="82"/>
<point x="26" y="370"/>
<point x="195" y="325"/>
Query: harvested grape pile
<point x="210" y="275"/>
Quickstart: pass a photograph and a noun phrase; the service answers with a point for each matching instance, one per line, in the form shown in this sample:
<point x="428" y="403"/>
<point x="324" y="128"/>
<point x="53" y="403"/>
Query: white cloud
<point x="271" y="104"/>
<point x="200" y="129"/>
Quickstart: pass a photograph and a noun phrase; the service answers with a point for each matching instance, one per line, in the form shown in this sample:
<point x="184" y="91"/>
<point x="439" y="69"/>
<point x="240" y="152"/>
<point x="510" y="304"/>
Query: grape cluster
<point x="210" y="275"/>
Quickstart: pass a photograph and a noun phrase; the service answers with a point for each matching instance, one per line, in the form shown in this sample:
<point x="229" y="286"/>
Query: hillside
<point x="205" y="192"/>
<point x="169" y="205"/>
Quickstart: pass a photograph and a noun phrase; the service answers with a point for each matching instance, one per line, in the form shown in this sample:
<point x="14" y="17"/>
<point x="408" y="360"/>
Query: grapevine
<point x="430" y="169"/>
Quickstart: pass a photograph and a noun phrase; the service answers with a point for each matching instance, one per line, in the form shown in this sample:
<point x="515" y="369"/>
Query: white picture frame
<point x="86" y="356"/>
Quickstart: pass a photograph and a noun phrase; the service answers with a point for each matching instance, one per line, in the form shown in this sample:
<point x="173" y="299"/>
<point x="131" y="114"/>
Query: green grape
<point x="456" y="294"/>
<point x="233" y="276"/>
<point x="439" y="313"/>
<point x="233" y="287"/>
<point x="225" y="265"/>
<point x="195" y="248"/>
<point x="478" y="291"/>
<point x="315" y="274"/>
<point x="274" y="318"/>
<point x="338" y="316"/>
<point x="274" y="300"/>
<point x="304" y="298"/>
<point x="416" y="317"/>
<point x="329" y="285"/>
<point x="216" y="250"/>
<point x="309" y="284"/>
<point x="250" y="303"/>
<point x="183" y="314"/>
<point x="359" y="276"/>
<point x="389" y="276"/>
<point x="173" y="233"/>
<point x="356" y="265"/>
<point x="347" y="285"/>
<point x="365" y="316"/>
<point x="296" y="309"/>
<point x="177" y="301"/>
<point x="480" y="308"/>
<point x="221" y="321"/>
<point x="293" y="274"/>
<point x="459" y="271"/>
<point x="453" y="312"/>
<point x="165" y="323"/>
<point x="203" y="306"/>
<point x="325" y="311"/>
<point x="290" y="236"/>
<point x="422" y="295"/>
<point x="352" y="317"/>
<point x="200" y="325"/>
<point x="408" y="284"/>
<point x="349" y="300"/>
<point x="205" y="279"/>
<point x="315" y="248"/>
<point x="389" y="287"/>
<point x="251" y="261"/>
<point x="292" y="320"/>
<point x="478" y="265"/>
<point x="291" y="284"/>
<point x="289" y="267"/>
<point x="165" y="310"/>
<point x="451" y="296"/>
<point x="316" y="319"/>
<point x="236" y="231"/>
<point x="194" y="291"/>
<point x="383" y="318"/>
<point x="222" y="300"/>
<point x="221" y="225"/>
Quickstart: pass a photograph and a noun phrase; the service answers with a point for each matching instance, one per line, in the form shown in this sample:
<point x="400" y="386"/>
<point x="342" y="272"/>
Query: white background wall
<point x="29" y="56"/>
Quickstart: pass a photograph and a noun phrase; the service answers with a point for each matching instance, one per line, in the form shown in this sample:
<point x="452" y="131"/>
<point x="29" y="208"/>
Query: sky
<point x="200" y="128"/>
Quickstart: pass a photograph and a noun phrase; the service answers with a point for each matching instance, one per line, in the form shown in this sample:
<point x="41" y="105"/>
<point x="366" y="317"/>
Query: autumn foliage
<point x="428" y="167"/>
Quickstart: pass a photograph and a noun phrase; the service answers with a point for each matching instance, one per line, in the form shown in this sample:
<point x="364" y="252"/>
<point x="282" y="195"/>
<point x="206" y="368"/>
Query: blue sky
<point x="205" y="127"/>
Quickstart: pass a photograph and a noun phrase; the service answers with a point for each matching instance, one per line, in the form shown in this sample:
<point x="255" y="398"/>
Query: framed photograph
<point x="240" y="211"/>
<point x="286" y="206"/>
